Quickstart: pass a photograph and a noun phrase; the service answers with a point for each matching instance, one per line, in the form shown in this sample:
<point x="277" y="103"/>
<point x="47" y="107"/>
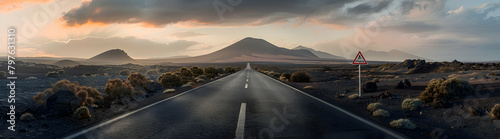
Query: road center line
<point x="240" y="127"/>
<point x="246" y="85"/>
<point x="247" y="80"/>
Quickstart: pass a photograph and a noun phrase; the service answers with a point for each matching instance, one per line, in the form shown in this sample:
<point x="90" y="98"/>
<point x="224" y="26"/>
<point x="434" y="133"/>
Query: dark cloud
<point x="186" y="34"/>
<point x="135" y="47"/>
<point x="369" y="7"/>
<point x="159" y="12"/>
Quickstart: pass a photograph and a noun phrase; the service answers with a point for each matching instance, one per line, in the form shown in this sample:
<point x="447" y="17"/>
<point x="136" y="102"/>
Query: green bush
<point x="299" y="76"/>
<point x="495" y="112"/>
<point x="381" y="113"/>
<point x="211" y="71"/>
<point x="411" y="104"/>
<point x="197" y="71"/>
<point x="124" y="72"/>
<point x="169" y="80"/>
<point x="53" y="74"/>
<point x="440" y="91"/>
<point x="374" y="106"/>
<point x="403" y="124"/>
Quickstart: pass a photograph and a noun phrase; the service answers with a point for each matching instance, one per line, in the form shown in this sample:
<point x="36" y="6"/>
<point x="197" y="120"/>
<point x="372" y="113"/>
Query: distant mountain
<point x="67" y="63"/>
<point x="114" y="56"/>
<point x="320" y="54"/>
<point x="393" y="55"/>
<point x="250" y="49"/>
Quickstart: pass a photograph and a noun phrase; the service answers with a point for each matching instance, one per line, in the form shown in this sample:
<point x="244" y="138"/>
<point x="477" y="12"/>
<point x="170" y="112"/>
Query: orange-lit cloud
<point x="11" y="5"/>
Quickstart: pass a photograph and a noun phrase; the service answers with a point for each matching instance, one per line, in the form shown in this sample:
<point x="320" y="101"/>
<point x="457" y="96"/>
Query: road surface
<point x="246" y="104"/>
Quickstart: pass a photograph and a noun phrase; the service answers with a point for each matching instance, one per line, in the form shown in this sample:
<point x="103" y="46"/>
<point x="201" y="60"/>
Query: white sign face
<point x="359" y="60"/>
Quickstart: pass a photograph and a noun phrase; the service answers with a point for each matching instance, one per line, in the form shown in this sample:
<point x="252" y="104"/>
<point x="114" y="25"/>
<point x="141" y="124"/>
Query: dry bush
<point x="91" y="93"/>
<point x="403" y="124"/>
<point x="299" y="76"/>
<point x="440" y="91"/>
<point x="169" y="80"/>
<point x="495" y="112"/>
<point x="169" y="91"/>
<point x="27" y="117"/>
<point x="152" y="72"/>
<point x="230" y="69"/>
<point x="381" y="113"/>
<point x="411" y="104"/>
<point x="82" y="113"/>
<point x="124" y="72"/>
<point x="285" y="76"/>
<point x="197" y="71"/>
<point x="211" y="71"/>
<point x="353" y="96"/>
<point x="374" y="106"/>
<point x="3" y="74"/>
<point x="376" y="80"/>
<point x="309" y="88"/>
<point x="138" y="80"/>
<point x="61" y="72"/>
<point x="116" y="88"/>
<point x="52" y="74"/>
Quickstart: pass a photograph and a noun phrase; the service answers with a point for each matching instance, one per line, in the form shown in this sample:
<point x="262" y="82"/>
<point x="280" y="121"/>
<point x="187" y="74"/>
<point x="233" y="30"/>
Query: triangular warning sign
<point x="359" y="60"/>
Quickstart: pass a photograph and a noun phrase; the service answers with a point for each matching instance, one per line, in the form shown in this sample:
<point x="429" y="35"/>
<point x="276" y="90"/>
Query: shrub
<point x="74" y="87"/>
<point x="87" y="75"/>
<point x="204" y="77"/>
<point x="169" y="91"/>
<point x="52" y="74"/>
<point x="27" y="117"/>
<point x="299" y="76"/>
<point x="439" y="91"/>
<point x="152" y="72"/>
<point x="376" y="80"/>
<point x="309" y="88"/>
<point x="32" y="78"/>
<point x="369" y="87"/>
<point x="138" y="80"/>
<point x="403" y="123"/>
<point x="124" y="72"/>
<point x="3" y="74"/>
<point x="353" y="96"/>
<point x="495" y="112"/>
<point x="211" y="71"/>
<point x="474" y="111"/>
<point x="407" y="83"/>
<point x="82" y="113"/>
<point x="230" y="69"/>
<point x="61" y="72"/>
<point x="374" y="106"/>
<point x="169" y="80"/>
<point x="285" y="76"/>
<point x="196" y="71"/>
<point x="116" y="88"/>
<point x="411" y="104"/>
<point x="381" y="113"/>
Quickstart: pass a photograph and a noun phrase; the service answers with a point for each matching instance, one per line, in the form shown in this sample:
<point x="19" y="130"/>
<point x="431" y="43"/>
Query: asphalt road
<point x="245" y="104"/>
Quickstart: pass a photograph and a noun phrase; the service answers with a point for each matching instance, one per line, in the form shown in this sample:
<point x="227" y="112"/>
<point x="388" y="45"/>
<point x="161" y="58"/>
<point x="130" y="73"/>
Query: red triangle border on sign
<point x="354" y="62"/>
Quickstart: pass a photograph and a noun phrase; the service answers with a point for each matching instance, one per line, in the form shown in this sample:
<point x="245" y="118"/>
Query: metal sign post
<point x="359" y="60"/>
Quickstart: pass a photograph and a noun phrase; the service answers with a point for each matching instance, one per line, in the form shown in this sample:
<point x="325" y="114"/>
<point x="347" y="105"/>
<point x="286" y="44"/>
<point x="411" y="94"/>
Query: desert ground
<point x="332" y="83"/>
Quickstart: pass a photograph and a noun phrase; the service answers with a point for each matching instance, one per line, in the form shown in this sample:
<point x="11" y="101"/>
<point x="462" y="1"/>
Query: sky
<point x="442" y="30"/>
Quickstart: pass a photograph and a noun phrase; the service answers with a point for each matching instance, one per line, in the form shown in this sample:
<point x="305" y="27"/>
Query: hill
<point x="393" y="55"/>
<point x="114" y="56"/>
<point x="320" y="54"/>
<point x="250" y="50"/>
<point x="67" y="63"/>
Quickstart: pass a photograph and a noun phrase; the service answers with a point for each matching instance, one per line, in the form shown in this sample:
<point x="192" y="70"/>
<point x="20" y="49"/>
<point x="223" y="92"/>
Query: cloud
<point x="135" y="47"/>
<point x="369" y="7"/>
<point x="413" y="27"/>
<point x="186" y="34"/>
<point x="11" y="5"/>
<point x="158" y="13"/>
